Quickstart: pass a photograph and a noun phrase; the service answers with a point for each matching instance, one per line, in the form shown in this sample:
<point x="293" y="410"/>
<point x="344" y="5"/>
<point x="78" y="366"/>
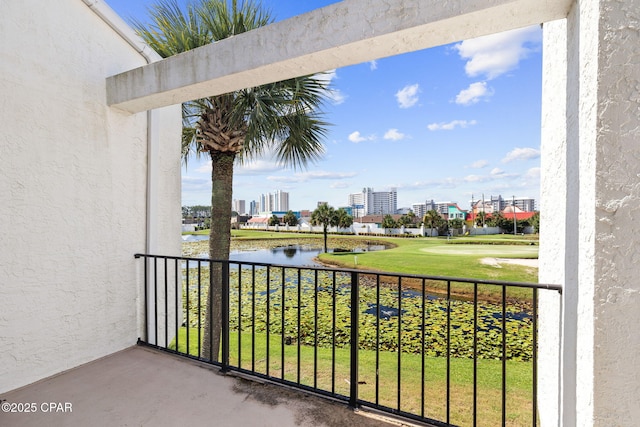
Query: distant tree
<point x="274" y="220"/>
<point x="325" y="216"/>
<point x="535" y="222"/>
<point x="389" y="222"/>
<point x="433" y="219"/>
<point x="456" y="223"/>
<point x="411" y="217"/>
<point x="496" y="220"/>
<point x="407" y="220"/>
<point x="343" y="219"/>
<point x="481" y="218"/>
<point x="290" y="218"/>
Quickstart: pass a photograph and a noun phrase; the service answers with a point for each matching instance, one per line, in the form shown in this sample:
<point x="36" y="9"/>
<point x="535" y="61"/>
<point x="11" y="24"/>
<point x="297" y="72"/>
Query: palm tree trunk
<point x="219" y="245"/>
<point x="325" y="238"/>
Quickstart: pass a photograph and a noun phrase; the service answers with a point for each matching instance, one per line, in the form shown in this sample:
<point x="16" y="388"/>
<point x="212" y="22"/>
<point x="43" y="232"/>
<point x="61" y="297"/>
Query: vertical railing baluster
<point x="315" y="330"/>
<point x="146" y="298"/>
<point x="186" y="320"/>
<point x="166" y="305"/>
<point x="177" y="291"/>
<point x="225" y="316"/>
<point x="282" y="323"/>
<point x="377" y="339"/>
<point x="504" y="355"/>
<point x="155" y="298"/>
<point x="253" y="318"/>
<point x="475" y="354"/>
<point x="355" y="340"/>
<point x="210" y="311"/>
<point x="423" y="339"/>
<point x="299" y="321"/>
<point x="535" y="359"/>
<point x="239" y="315"/>
<point x="333" y="336"/>
<point x="448" y="352"/>
<point x="399" y="379"/>
<point x="268" y="318"/>
<point x="200" y="308"/>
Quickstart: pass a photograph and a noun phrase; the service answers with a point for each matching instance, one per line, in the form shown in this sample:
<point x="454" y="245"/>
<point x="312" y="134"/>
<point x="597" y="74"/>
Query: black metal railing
<point x="442" y="350"/>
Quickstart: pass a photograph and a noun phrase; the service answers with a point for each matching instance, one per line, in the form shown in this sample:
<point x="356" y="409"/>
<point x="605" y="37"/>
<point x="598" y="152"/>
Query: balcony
<point x="144" y="387"/>
<point x="434" y="350"/>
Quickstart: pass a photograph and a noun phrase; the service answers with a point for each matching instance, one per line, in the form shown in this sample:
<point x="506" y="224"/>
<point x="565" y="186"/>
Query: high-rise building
<point x="370" y="202"/>
<point x="278" y="202"/>
<point x="254" y="208"/>
<point x="419" y="209"/>
<point x="239" y="206"/>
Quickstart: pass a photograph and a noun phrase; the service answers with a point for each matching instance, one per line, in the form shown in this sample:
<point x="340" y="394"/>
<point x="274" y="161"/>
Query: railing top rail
<point x="529" y="285"/>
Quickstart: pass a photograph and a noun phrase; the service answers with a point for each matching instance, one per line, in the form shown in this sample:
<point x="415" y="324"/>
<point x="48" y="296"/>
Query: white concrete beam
<point x="345" y="33"/>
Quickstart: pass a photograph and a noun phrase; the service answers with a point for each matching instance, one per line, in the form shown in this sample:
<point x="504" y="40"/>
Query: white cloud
<point x="500" y="53"/>
<point x="373" y="65"/>
<point x="533" y="174"/>
<point x="190" y="183"/>
<point x="451" y="125"/>
<point x="474" y="93"/>
<point x="255" y="167"/>
<point x="312" y="175"/>
<point x="335" y="95"/>
<point x="339" y="185"/>
<point x="357" y="137"/>
<point x="497" y="172"/>
<point x="394" y="135"/>
<point x="526" y="153"/>
<point x="204" y="168"/>
<point x="479" y="164"/>
<point x="408" y="96"/>
<point x="494" y="175"/>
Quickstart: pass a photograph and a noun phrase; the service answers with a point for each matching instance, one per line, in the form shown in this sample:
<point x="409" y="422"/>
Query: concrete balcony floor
<point x="143" y="387"/>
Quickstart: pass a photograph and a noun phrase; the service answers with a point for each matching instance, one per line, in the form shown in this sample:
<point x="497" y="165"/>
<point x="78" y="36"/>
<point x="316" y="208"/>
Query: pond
<point x="291" y="255"/>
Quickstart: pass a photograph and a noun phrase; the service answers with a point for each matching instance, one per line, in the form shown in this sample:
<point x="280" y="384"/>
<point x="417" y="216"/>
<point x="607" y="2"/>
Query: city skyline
<point x="382" y="203"/>
<point x="440" y="123"/>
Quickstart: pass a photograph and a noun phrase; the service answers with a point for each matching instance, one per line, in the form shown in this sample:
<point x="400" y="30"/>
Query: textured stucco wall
<point x="590" y="204"/>
<point x="73" y="191"/>
<point x="616" y="295"/>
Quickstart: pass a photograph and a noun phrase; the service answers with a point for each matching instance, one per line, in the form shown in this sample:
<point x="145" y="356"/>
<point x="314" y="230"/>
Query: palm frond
<point x="172" y="29"/>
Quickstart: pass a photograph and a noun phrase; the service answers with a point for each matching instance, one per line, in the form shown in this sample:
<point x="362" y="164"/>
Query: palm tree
<point x="388" y="222"/>
<point x="290" y="218"/>
<point x="432" y="218"/>
<point x="282" y="117"/>
<point x="274" y="220"/>
<point x="325" y="216"/>
<point x="343" y="219"/>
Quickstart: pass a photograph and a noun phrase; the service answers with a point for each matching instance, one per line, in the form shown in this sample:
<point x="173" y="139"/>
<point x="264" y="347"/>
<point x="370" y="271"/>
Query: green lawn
<point x="430" y="256"/>
<point x="440" y="257"/>
<point x="519" y="378"/>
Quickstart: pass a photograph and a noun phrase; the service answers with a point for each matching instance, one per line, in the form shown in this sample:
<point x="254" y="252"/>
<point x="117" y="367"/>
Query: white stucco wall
<point x="73" y="189"/>
<point x="616" y="187"/>
<point x="553" y="216"/>
<point x="590" y="233"/>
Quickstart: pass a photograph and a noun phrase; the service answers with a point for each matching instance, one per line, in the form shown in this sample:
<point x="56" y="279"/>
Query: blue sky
<point x="444" y="123"/>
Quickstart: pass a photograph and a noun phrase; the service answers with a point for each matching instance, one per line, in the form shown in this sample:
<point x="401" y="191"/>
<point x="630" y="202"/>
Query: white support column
<point x="615" y="236"/>
<point x="591" y="205"/>
<point x="553" y="212"/>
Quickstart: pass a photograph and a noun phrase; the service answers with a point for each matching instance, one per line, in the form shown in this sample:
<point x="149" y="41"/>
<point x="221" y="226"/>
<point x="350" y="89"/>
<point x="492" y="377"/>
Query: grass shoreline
<point x="459" y="257"/>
